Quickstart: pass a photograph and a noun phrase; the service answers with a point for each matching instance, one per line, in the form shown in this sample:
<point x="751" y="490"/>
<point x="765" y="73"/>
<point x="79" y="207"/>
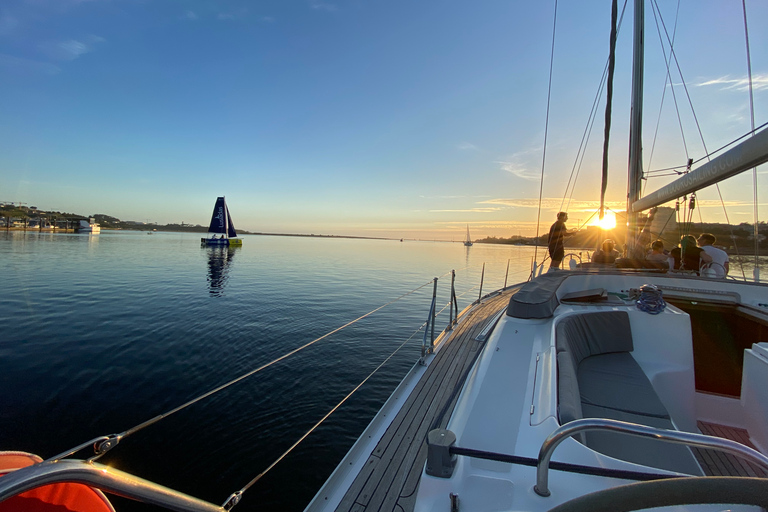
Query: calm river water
<point x="102" y="332"/>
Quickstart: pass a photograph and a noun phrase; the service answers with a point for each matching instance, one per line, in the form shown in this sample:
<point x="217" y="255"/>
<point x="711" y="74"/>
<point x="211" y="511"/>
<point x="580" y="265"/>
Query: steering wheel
<point x="670" y="492"/>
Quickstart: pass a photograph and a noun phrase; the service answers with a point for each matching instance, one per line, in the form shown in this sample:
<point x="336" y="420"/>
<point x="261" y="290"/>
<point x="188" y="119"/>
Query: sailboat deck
<point x="716" y="463"/>
<point x="389" y="479"/>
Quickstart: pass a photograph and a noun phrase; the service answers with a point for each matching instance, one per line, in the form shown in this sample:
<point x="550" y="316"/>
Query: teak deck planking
<point x="717" y="463"/>
<point x="389" y="478"/>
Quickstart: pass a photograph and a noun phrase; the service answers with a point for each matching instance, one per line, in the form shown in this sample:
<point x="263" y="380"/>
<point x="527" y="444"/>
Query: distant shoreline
<point x="744" y="254"/>
<point x="258" y="233"/>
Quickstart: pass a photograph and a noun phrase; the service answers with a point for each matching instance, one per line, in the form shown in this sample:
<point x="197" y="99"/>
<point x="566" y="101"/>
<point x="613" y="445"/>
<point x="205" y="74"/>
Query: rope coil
<point x="651" y="300"/>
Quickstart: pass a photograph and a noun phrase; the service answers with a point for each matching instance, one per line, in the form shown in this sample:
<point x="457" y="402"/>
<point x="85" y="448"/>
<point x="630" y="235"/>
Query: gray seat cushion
<point x="581" y="336"/>
<point x="593" y="334"/>
<point x="599" y="378"/>
<point x="615" y="381"/>
<point x="569" y="401"/>
<point x="647" y="452"/>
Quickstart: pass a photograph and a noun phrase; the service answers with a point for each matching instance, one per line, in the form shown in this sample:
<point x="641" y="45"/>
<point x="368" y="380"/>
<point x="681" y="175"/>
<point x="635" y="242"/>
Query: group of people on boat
<point x="693" y="254"/>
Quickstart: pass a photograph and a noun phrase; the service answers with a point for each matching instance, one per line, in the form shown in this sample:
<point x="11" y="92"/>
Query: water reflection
<point x="219" y="261"/>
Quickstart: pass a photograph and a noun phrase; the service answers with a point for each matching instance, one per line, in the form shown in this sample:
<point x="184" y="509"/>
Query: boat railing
<point x="104" y="478"/>
<point x="427" y="347"/>
<point x="482" y="278"/>
<point x="442" y="452"/>
<point x="429" y="329"/>
<point x="671" y="436"/>
<point x="453" y="305"/>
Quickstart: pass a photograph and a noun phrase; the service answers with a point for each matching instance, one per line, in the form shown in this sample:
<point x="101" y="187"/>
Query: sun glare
<point x="608" y="222"/>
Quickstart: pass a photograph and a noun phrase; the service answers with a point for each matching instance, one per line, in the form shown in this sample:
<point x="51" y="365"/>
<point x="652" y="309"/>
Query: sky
<point x="362" y="117"/>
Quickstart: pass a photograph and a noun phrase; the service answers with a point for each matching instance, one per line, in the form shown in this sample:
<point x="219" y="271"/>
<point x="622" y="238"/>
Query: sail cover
<point x="230" y="226"/>
<point x="218" y="219"/>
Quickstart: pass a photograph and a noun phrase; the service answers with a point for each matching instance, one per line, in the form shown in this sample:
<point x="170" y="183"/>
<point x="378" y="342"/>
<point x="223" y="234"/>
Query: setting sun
<point x="608" y="222"/>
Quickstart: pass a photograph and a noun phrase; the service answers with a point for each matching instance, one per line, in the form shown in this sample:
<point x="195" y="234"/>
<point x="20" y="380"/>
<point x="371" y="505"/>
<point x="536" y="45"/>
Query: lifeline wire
<point x="238" y="494"/>
<point x="118" y="437"/>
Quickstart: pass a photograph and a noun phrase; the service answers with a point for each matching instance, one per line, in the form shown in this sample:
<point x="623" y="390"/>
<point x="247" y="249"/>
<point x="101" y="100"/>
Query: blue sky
<point x="401" y="119"/>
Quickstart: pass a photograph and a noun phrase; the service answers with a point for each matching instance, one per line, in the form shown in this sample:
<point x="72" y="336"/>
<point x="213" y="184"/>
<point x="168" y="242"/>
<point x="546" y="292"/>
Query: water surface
<point x="102" y="332"/>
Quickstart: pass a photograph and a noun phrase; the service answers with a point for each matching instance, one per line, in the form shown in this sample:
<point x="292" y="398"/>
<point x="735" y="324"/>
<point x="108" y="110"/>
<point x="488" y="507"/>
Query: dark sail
<point x="230" y="226"/>
<point x="218" y="222"/>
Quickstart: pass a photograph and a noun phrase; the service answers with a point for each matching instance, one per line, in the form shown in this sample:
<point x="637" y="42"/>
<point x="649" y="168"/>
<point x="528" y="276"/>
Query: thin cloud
<point x="70" y="49"/>
<point x="468" y="210"/>
<point x="232" y="15"/>
<point x="267" y="19"/>
<point x="467" y="146"/>
<point x="523" y="164"/>
<point x="323" y="6"/>
<point x="759" y="83"/>
<point x="422" y="196"/>
<point x="519" y="170"/>
<point x="190" y="15"/>
<point x="20" y="66"/>
<point x="553" y="204"/>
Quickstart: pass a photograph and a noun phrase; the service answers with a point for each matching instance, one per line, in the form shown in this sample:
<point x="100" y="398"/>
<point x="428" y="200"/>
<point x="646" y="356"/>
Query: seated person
<point x="606" y="254"/>
<point x="688" y="256"/>
<point x="657" y="253"/>
<point x="720" y="264"/>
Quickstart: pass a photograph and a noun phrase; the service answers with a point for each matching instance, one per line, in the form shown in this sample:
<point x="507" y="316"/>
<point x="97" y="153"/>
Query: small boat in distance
<point x="88" y="226"/>
<point x="221" y="232"/>
<point x="468" y="241"/>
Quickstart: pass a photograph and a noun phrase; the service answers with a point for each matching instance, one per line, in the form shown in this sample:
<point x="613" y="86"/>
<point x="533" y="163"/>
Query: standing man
<point x="720" y="263"/>
<point x="557" y="233"/>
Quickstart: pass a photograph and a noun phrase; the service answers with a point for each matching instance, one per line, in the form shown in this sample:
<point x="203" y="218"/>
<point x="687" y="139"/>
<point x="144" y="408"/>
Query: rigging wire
<point x="667" y="80"/>
<point x="698" y="127"/>
<point x="237" y="495"/>
<point x="756" y="231"/>
<point x="546" y="131"/>
<point x="709" y="155"/>
<point x="583" y="144"/>
<point x="118" y="437"/>
<point x="581" y="153"/>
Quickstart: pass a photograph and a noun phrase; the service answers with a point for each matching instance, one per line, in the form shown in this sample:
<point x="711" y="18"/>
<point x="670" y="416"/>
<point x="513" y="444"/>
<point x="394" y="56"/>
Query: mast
<point x="634" y="185"/>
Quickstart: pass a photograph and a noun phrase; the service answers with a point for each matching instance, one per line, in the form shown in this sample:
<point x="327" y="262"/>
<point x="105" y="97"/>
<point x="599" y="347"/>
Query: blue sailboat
<point x="221" y="231"/>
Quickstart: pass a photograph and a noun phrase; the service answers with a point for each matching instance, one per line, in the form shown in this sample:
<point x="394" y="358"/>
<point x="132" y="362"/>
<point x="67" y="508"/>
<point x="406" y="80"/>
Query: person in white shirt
<point x="720" y="263"/>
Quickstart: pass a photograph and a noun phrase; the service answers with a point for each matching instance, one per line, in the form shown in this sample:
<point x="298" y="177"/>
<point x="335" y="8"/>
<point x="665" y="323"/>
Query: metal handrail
<point x="104" y="478"/>
<point x="672" y="436"/>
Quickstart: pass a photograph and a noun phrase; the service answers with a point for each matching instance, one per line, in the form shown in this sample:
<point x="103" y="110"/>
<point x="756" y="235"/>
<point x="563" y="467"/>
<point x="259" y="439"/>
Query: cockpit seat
<point x="599" y="378"/>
